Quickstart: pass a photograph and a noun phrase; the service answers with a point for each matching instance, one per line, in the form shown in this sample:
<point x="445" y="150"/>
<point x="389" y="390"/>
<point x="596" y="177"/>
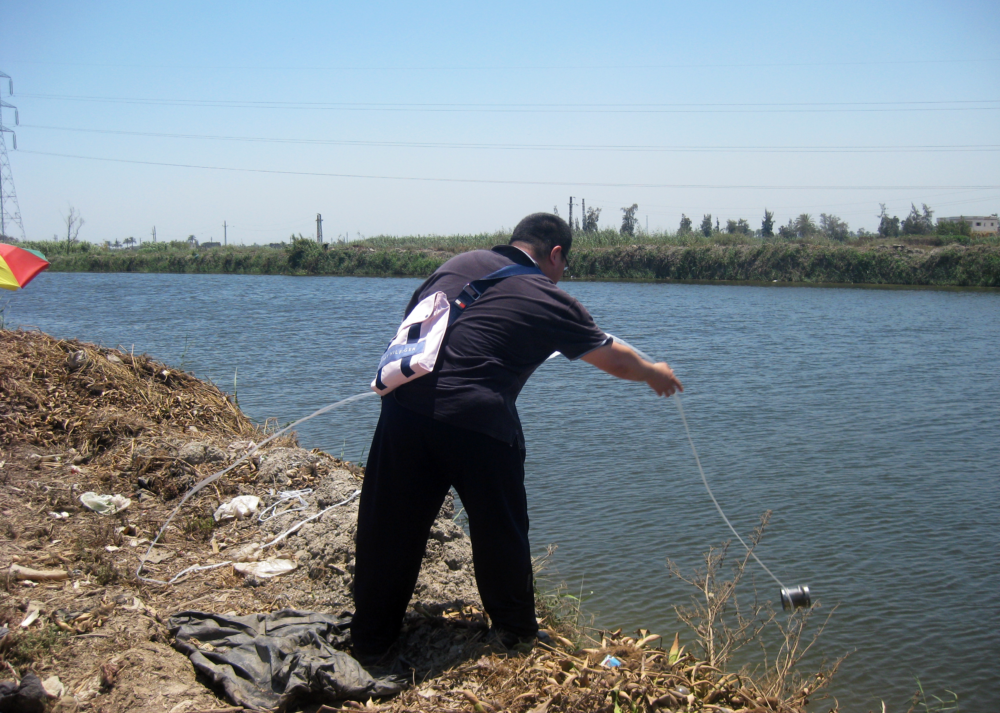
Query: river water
<point x="867" y="420"/>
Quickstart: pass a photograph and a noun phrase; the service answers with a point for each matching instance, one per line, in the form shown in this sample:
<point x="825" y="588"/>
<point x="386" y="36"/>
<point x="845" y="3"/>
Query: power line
<point x="515" y="68"/>
<point x="689" y="108"/>
<point x="492" y="181"/>
<point x="928" y="148"/>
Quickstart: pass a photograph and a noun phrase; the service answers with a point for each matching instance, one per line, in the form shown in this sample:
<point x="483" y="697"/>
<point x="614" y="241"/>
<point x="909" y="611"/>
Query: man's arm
<point x="618" y="360"/>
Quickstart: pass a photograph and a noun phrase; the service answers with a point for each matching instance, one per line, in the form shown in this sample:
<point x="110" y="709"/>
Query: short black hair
<point x="543" y="231"/>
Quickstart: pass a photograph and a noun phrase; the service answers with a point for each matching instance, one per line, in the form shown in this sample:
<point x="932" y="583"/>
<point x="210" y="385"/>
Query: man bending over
<point x="458" y="427"/>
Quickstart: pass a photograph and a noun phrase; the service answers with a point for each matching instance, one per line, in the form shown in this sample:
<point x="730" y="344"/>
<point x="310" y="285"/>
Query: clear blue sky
<point x="713" y="107"/>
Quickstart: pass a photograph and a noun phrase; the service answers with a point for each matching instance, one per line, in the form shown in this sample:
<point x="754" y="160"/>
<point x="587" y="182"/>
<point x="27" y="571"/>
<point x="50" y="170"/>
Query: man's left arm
<point x="621" y="361"/>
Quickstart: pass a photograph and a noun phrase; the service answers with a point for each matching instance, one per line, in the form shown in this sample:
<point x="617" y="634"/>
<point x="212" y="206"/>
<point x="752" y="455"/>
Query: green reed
<point x="601" y="255"/>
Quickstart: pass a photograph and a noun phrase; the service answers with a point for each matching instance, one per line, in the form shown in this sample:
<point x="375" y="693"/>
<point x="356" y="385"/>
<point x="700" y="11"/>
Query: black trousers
<point x="413" y="462"/>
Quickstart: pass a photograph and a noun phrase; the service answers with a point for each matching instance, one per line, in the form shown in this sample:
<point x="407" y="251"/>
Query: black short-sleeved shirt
<point x="491" y="350"/>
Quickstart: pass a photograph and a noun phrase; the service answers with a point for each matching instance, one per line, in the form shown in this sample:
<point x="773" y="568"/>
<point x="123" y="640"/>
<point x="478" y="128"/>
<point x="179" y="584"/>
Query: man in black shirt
<point x="458" y="427"/>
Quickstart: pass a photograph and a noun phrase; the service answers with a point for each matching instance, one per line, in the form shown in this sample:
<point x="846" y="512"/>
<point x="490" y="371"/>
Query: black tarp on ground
<point x="271" y="660"/>
<point x="27" y="697"/>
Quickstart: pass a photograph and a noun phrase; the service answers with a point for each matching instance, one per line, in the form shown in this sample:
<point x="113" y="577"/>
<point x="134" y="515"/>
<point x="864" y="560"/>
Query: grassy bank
<point x="977" y="266"/>
<point x="607" y="255"/>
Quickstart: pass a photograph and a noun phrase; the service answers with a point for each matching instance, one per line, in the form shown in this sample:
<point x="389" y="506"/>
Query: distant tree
<point x="919" y="223"/>
<point x="767" y="225"/>
<point x="833" y="227"/>
<point x="788" y="232"/>
<point x="685" y="226"/>
<point x="629" y="222"/>
<point x="804" y="226"/>
<point x="740" y="226"/>
<point x="590" y="220"/>
<point x="118" y="244"/>
<point x="555" y="210"/>
<point x="954" y="227"/>
<point x="887" y="227"/>
<point x="74" y="221"/>
<point x="706" y="225"/>
<point x="192" y="241"/>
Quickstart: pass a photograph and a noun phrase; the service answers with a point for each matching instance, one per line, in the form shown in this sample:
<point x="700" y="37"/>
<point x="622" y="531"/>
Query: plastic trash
<point x="265" y="568"/>
<point x="104" y="504"/>
<point x="239" y="508"/>
<point x="54" y="687"/>
<point x="249" y="552"/>
<point x="33" y="612"/>
<point x="610" y="662"/>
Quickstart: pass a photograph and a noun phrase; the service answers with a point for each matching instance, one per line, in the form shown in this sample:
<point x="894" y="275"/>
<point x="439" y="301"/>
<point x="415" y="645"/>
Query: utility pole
<point x="154" y="233"/>
<point x="571" y="214"/>
<point x="225" y="228"/>
<point x="319" y="228"/>
<point x="10" y="212"/>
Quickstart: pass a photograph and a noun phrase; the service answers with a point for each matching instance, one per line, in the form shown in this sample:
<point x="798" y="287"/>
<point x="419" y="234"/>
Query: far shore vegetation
<point x="911" y="251"/>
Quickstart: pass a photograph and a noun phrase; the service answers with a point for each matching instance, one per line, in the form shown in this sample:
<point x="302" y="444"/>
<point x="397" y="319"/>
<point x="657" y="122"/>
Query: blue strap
<point x="474" y="290"/>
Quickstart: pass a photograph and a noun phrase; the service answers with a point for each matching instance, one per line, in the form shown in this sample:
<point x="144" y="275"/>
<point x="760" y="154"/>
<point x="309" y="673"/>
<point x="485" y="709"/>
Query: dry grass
<point x="646" y="678"/>
<point x="64" y="392"/>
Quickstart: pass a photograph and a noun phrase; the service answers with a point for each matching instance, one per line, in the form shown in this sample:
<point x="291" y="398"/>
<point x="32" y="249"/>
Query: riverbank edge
<point x="105" y="400"/>
<point x="796" y="263"/>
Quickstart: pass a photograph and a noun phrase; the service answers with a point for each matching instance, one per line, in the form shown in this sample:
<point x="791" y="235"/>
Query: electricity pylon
<point x="10" y="212"/>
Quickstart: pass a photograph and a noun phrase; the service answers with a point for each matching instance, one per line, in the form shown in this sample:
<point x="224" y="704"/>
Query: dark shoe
<point x="498" y="637"/>
<point x="368" y="660"/>
<point x="387" y="665"/>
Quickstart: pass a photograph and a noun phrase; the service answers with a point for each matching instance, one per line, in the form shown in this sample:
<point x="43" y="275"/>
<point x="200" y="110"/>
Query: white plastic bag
<point x="265" y="568"/>
<point x="239" y="507"/>
<point x="104" y="504"/>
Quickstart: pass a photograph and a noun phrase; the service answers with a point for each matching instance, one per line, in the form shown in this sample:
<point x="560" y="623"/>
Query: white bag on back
<point x="414" y="350"/>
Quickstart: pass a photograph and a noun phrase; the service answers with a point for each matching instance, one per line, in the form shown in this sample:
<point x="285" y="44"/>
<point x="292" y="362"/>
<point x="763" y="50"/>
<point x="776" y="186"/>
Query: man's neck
<point x="523" y="247"/>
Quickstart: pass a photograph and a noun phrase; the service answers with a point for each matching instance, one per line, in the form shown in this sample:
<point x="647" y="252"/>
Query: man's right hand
<point x="619" y="360"/>
<point x="663" y="380"/>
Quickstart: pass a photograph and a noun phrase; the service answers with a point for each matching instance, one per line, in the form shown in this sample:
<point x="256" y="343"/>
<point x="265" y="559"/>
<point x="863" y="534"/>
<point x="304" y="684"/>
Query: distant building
<point x="977" y="223"/>
<point x="211" y="245"/>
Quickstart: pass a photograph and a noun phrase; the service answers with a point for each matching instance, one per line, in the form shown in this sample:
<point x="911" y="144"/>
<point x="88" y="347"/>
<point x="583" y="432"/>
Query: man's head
<point x="548" y="238"/>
